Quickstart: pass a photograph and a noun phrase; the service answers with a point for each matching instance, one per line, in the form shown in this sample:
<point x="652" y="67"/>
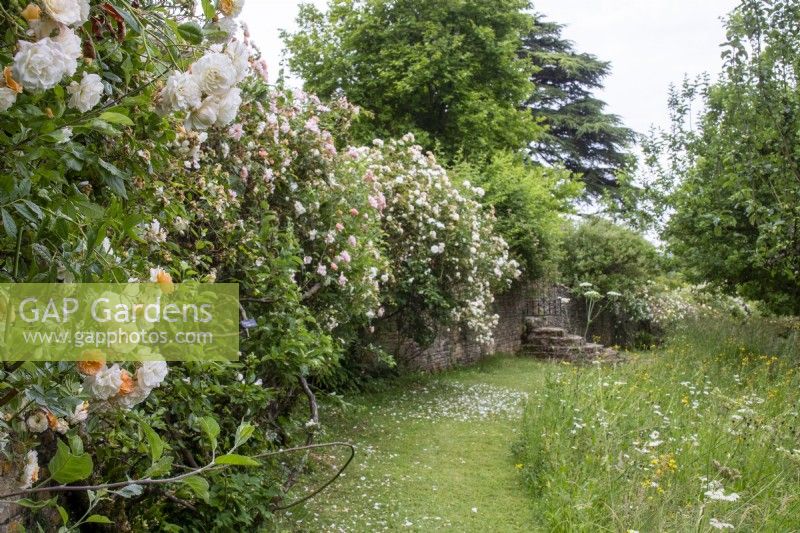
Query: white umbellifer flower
<point x="240" y="57"/>
<point x="37" y="422"/>
<point x="41" y="65"/>
<point x="214" y="73"/>
<point x="70" y="44"/>
<point x="151" y="374"/>
<point x="204" y="116"/>
<point x="7" y="98"/>
<point x="717" y="492"/>
<point x="228" y="107"/>
<point x="30" y="473"/>
<point x="105" y="383"/>
<point x="67" y="12"/>
<point x="719" y="524"/>
<point x="86" y="94"/>
<point x="181" y="92"/>
<point x="81" y="413"/>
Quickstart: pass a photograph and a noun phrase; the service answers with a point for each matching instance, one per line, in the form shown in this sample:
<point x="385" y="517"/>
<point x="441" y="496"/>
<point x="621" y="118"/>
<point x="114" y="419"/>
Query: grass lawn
<point x="702" y="435"/>
<point x="433" y="452"/>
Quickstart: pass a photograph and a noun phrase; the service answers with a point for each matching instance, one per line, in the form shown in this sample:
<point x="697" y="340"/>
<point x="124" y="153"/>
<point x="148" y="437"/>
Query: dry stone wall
<point x="456" y="346"/>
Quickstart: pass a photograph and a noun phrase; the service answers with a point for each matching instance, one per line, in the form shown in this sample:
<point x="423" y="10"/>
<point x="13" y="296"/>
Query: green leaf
<point x="236" y="459"/>
<point x="113" y="117"/>
<point x="154" y="442"/>
<point x="65" y="467"/>
<point x="8" y="223"/>
<point x="130" y="21"/>
<point x="129" y="491"/>
<point x="198" y="486"/>
<point x="103" y="127"/>
<point x="159" y="468"/>
<point x="243" y="432"/>
<point x="34" y="504"/>
<point x="63" y="513"/>
<point x="208" y="9"/>
<point x="76" y="444"/>
<point x="191" y="32"/>
<point x="98" y="519"/>
<point x="210" y="428"/>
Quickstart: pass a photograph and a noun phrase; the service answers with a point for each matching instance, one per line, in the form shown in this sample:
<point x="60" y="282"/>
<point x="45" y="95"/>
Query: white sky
<point x="650" y="43"/>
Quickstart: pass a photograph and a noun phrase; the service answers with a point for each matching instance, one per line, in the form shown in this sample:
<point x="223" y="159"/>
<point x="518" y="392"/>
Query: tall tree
<point x="449" y="71"/>
<point x="580" y="134"/>
<point x="736" y="171"/>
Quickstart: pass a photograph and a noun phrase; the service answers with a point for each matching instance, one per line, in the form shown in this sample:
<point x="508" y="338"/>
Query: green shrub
<point x="609" y="256"/>
<point x="528" y="201"/>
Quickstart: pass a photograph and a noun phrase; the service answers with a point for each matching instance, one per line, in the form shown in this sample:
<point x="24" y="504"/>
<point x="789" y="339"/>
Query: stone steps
<point x="540" y="340"/>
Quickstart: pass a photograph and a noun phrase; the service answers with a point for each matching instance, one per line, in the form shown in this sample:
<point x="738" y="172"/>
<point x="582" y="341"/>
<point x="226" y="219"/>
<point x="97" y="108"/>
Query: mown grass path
<point x="434" y="452"/>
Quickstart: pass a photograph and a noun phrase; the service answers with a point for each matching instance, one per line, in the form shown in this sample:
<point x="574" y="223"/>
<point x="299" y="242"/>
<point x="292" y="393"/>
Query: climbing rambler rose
<point x="181" y="93"/>
<point x="86" y="94"/>
<point x="214" y="73"/>
<point x="67" y="12"/>
<point x="7" y="98"/>
<point x="41" y="65"/>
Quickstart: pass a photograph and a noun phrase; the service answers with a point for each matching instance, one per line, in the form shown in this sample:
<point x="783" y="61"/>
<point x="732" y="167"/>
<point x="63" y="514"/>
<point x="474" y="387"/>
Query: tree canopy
<point x="736" y="218"/>
<point x="449" y="72"/>
<point x="579" y="134"/>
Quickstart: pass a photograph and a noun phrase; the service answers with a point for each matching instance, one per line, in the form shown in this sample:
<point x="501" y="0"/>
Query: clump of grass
<point x="701" y="435"/>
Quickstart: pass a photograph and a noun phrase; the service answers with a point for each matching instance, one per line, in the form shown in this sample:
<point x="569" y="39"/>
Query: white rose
<point x="30" y="473"/>
<point x="37" y="422"/>
<point x="105" y="383"/>
<point x="228" y="107"/>
<point x="69" y="43"/>
<point x="204" y="116"/>
<point x="240" y="57"/>
<point x="86" y="94"/>
<point x="214" y="73"/>
<point x="133" y="398"/>
<point x="152" y="373"/>
<point x="228" y="25"/>
<point x="7" y="98"/>
<point x="181" y="92"/>
<point x="42" y="28"/>
<point x="80" y="414"/>
<point x="61" y="426"/>
<point x="42" y="64"/>
<point x="231" y="8"/>
<point x="85" y="8"/>
<point x="67" y="12"/>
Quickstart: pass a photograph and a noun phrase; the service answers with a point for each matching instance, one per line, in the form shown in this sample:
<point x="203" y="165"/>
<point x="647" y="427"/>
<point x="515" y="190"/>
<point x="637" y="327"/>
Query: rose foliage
<point x="141" y="142"/>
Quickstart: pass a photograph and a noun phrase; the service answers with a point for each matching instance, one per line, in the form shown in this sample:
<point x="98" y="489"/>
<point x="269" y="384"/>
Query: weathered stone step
<point x="566" y="340"/>
<point x="549" y="332"/>
<point x="593" y="348"/>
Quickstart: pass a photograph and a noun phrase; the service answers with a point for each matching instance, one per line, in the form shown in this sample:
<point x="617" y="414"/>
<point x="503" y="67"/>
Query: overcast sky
<point x="650" y="43"/>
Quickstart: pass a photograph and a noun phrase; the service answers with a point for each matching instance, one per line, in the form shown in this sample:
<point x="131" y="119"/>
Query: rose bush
<point x="141" y="142"/>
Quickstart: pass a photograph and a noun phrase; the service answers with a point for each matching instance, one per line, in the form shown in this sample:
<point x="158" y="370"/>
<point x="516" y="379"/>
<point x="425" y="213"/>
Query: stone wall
<point x="456" y="346"/>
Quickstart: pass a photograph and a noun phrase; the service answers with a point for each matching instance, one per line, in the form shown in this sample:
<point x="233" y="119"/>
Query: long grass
<point x="700" y="435"/>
